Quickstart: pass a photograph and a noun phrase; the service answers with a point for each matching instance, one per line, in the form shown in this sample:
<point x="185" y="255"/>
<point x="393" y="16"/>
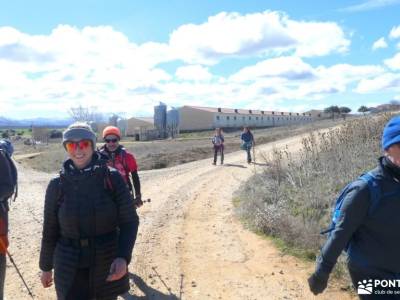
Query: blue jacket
<point x="373" y="239"/>
<point x="247" y="137"/>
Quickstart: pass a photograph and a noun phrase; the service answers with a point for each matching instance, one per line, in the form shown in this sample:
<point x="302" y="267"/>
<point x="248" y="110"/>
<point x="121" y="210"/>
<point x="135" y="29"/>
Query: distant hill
<point x="385" y="107"/>
<point x="5" y="122"/>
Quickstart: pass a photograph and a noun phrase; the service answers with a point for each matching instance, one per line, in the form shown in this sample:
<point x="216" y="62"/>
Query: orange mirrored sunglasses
<point x="73" y="146"/>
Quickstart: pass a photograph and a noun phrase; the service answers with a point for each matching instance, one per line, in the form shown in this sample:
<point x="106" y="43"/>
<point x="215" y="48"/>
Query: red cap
<point x="111" y="130"/>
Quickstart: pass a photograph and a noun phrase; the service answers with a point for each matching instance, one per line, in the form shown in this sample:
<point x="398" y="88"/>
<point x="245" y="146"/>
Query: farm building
<point x="40" y="134"/>
<point x="140" y="128"/>
<point x="204" y="118"/>
<point x="318" y="114"/>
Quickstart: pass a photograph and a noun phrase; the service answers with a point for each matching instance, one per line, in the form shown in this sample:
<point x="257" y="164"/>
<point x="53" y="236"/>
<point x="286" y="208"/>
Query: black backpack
<point x="12" y="170"/>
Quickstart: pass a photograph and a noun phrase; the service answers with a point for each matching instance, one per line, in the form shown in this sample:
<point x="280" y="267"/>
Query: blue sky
<point x="126" y="56"/>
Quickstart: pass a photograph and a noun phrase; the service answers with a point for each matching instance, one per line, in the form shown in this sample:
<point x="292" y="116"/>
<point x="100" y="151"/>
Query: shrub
<point x="292" y="198"/>
<point x="55" y="134"/>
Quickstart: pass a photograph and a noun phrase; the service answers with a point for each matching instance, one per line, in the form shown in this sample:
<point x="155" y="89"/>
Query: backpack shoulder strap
<point x="374" y="190"/>
<point x="14" y="173"/>
<point x="60" y="191"/>
<point x="15" y="176"/>
<point x="125" y="165"/>
<point x="108" y="185"/>
<point x="336" y="213"/>
<point x="123" y="157"/>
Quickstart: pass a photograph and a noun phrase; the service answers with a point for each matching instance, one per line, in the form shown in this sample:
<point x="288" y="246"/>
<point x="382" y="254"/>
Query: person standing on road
<point x="122" y="160"/>
<point x="248" y="142"/>
<point x="89" y="225"/>
<point x="8" y="183"/>
<point x="218" y="143"/>
<point x="367" y="224"/>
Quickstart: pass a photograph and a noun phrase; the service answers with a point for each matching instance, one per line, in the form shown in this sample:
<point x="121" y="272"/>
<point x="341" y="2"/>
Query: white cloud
<point x="395" y="32"/>
<point x="382" y="82"/>
<point x="318" y="38"/>
<point x="70" y="65"/>
<point x="233" y="35"/>
<point x="379" y="44"/>
<point x="371" y="5"/>
<point x="292" y="78"/>
<point x="100" y="66"/>
<point x="193" y="72"/>
<point x="292" y="68"/>
<point x="394" y="62"/>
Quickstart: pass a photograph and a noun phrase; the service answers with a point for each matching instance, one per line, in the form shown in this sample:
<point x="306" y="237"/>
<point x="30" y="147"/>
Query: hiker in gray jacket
<point x="367" y="226"/>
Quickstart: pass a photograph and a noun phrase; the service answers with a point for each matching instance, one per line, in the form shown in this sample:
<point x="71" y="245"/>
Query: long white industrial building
<point x="204" y="118"/>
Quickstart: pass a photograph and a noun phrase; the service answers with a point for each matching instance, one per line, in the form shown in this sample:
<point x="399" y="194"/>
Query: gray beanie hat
<point x="79" y="131"/>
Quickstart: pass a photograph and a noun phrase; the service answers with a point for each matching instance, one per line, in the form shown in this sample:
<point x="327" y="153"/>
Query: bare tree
<point x="85" y="114"/>
<point x="113" y="119"/>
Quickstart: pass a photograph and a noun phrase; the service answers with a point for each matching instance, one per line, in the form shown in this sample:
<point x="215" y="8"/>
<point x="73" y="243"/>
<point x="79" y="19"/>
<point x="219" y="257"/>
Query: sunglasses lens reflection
<point x="70" y="146"/>
<point x="73" y="146"/>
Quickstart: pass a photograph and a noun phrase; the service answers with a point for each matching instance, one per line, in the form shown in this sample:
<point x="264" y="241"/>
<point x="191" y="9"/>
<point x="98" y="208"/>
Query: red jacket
<point x="121" y="160"/>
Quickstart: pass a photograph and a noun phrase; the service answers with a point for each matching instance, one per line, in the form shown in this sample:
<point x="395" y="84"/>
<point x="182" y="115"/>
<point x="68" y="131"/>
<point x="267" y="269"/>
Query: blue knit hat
<point x="391" y="133"/>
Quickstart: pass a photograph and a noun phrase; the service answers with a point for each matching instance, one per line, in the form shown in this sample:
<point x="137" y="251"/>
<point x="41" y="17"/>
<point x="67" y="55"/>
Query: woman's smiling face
<point x="80" y="152"/>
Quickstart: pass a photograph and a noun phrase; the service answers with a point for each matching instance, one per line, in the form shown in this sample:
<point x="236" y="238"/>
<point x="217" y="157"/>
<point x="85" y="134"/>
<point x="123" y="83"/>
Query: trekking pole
<point x="143" y="202"/>
<point x="16" y="268"/>
<point x="254" y="153"/>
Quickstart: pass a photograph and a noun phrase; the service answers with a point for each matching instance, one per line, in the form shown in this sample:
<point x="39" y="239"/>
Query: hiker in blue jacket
<point x="368" y="224"/>
<point x="247" y="139"/>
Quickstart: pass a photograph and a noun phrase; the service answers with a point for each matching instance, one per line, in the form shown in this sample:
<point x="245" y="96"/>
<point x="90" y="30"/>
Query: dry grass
<point x="166" y="153"/>
<point x="292" y="198"/>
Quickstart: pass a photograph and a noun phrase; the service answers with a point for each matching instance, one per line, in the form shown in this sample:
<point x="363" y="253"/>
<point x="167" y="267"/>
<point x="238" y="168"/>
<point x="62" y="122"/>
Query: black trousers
<point x="80" y="289"/>
<point x="216" y="150"/>
<point x="248" y="149"/>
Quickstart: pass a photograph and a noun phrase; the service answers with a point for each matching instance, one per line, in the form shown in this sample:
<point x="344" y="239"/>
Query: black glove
<point x="138" y="201"/>
<point x="318" y="282"/>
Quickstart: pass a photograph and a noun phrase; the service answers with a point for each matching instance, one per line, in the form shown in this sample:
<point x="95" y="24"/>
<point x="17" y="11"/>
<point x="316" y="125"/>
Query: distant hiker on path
<point x="122" y="160"/>
<point x="8" y="183"/>
<point x="218" y="143"/>
<point x="89" y="225"/>
<point x="248" y="142"/>
<point x="366" y="224"/>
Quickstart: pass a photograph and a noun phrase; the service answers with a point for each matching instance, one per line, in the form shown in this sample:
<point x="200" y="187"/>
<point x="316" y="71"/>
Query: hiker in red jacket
<point x="122" y="160"/>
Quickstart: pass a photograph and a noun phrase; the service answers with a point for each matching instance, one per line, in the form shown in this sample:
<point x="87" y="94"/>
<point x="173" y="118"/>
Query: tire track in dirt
<point x="190" y="245"/>
<point x="207" y="254"/>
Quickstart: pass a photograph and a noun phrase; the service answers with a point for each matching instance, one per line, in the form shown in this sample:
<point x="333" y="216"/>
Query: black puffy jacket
<point x="81" y="206"/>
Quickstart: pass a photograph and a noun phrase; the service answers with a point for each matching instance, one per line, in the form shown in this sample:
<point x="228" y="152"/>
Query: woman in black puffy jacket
<point x="90" y="224"/>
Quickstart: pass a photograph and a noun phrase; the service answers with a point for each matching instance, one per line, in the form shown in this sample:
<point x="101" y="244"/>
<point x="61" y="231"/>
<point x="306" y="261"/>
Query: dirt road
<point x="190" y="245"/>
